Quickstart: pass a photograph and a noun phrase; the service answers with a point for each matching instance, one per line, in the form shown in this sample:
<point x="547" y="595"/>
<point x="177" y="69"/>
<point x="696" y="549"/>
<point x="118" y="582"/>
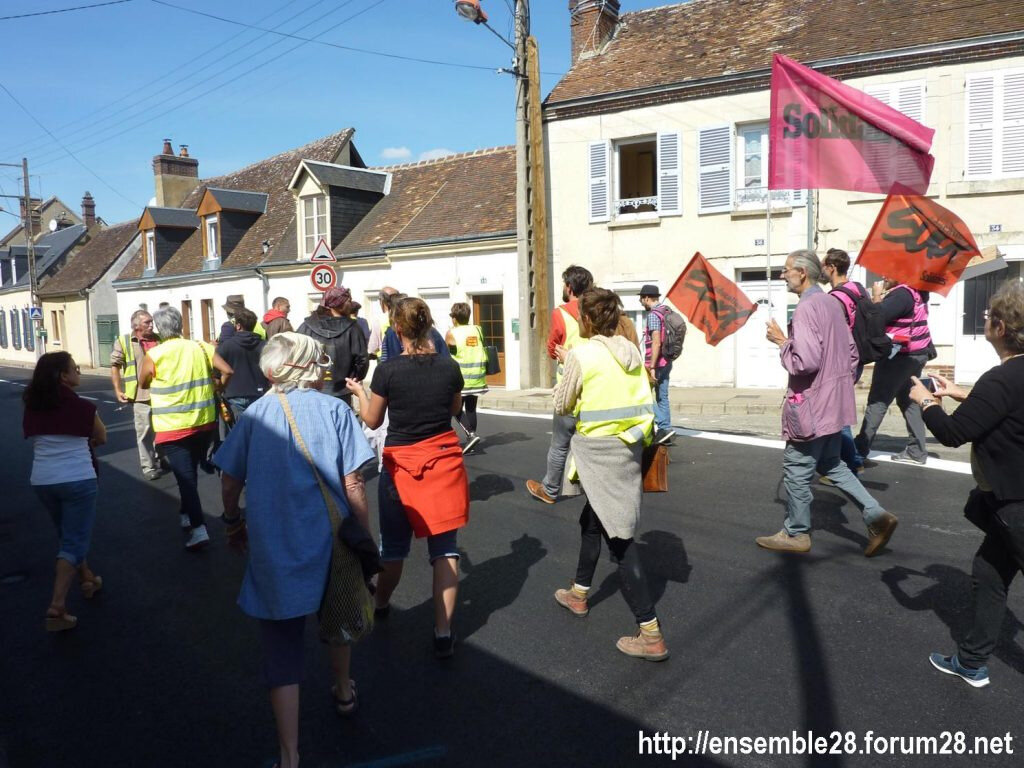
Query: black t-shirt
<point x="419" y="390"/>
<point x="242" y="352"/>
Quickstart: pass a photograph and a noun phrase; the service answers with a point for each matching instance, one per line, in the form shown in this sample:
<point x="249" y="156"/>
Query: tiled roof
<point x="91" y="263"/>
<point x="270" y="176"/>
<point x="184" y="218"/>
<point x="344" y="176"/>
<point x="711" y="38"/>
<point x="240" y="200"/>
<point x="456" y="197"/>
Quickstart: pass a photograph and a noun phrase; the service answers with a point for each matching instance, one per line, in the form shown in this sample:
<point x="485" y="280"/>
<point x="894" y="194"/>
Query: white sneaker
<point x="199" y="538"/>
<point x="185" y="522"/>
<point x="474" y="440"/>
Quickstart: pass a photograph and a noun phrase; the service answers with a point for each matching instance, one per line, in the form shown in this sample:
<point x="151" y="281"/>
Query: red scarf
<point x="73" y="416"/>
<point x="273" y="314"/>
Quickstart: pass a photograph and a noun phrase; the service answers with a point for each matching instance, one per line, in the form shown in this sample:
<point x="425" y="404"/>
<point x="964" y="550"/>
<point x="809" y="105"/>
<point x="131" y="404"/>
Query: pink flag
<point x="826" y="135"/>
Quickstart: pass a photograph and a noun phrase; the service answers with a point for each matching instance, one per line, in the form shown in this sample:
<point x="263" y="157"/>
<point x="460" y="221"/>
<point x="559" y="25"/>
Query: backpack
<point x="873" y="344"/>
<point x="673" y="332"/>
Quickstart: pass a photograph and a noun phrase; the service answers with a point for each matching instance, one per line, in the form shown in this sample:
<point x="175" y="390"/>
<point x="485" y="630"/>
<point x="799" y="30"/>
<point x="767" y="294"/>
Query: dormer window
<point x="211" y="240"/>
<point x="314" y="222"/>
<point x="151" y="251"/>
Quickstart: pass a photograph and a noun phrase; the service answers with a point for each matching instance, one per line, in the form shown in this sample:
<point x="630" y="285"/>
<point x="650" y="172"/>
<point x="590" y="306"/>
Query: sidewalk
<point x="754" y="412"/>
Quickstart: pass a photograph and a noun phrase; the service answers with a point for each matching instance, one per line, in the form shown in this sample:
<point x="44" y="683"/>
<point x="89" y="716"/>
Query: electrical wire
<point x="64" y="10"/>
<point x="71" y="154"/>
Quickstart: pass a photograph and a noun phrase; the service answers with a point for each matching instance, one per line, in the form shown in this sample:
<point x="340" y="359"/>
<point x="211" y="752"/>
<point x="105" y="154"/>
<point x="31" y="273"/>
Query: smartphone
<point x="929" y="383"/>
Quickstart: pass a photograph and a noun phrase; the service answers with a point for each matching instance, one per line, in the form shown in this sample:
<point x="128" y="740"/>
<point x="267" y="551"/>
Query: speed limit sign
<point x="323" y="277"/>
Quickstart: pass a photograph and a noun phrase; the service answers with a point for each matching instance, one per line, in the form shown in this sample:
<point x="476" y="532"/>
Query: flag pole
<point x="768" y="252"/>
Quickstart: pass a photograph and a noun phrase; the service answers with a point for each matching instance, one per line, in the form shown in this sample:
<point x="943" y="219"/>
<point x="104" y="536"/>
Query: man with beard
<point x="129" y="349"/>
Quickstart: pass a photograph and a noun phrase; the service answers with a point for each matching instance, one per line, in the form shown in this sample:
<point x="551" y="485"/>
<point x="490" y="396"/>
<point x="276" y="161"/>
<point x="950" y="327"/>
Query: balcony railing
<point x="757" y="197"/>
<point x="636" y="205"/>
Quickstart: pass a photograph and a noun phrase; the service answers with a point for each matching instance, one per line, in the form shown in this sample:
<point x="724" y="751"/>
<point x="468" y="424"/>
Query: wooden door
<point x="489" y="314"/>
<point x="207" y="310"/>
<point x="186" y="319"/>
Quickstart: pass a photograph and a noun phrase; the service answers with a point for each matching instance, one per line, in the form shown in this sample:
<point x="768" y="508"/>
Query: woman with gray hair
<point x="179" y="375"/>
<point x="287" y="527"/>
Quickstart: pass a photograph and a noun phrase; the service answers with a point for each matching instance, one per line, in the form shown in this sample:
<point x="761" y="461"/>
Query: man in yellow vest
<point x="466" y="343"/>
<point x="179" y="375"/>
<point x="127" y="352"/>
<point x="565" y="332"/>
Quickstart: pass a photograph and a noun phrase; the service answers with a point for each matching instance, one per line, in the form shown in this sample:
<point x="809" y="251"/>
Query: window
<point x="977" y="293"/>
<point x="3" y="329"/>
<point x="55" y="324"/>
<point x="314" y="222"/>
<point x="634" y="178"/>
<point x="752" y="171"/>
<point x="15" y="329"/>
<point x="151" y="251"/>
<point x="908" y="98"/>
<point x="995" y="125"/>
<point x="26" y="331"/>
<point x="211" y="238"/>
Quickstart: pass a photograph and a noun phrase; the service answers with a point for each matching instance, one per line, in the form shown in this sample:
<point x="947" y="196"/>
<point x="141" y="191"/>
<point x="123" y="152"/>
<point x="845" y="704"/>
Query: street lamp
<point x="470" y="10"/>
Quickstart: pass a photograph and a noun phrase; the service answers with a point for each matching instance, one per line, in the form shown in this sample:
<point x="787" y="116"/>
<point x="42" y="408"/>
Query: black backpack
<point x="873" y="344"/>
<point x="673" y="334"/>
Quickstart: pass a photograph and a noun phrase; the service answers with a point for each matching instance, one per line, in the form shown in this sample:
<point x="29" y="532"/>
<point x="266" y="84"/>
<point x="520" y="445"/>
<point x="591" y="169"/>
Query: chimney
<point x="591" y="23"/>
<point x="174" y="176"/>
<point x="36" y="213"/>
<point x="88" y="211"/>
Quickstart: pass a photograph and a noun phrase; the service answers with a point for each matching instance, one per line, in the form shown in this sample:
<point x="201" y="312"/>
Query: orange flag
<point x="918" y="242"/>
<point x="710" y="300"/>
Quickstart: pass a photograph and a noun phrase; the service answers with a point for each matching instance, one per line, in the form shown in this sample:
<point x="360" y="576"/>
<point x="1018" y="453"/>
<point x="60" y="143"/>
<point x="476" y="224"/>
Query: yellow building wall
<point x="74" y="334"/>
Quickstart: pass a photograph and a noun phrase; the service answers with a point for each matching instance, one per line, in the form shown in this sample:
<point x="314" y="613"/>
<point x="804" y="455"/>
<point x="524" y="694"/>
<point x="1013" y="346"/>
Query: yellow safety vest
<point x="182" y="390"/>
<point x="130" y="374"/>
<point x="613" y="401"/>
<point x="260" y="331"/>
<point x="471" y="355"/>
<point x="572" y="337"/>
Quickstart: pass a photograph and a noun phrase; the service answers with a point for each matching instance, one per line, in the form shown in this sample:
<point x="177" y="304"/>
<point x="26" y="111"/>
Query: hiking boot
<point x="879" y="533"/>
<point x="783" y="542"/>
<point x="198" y="539"/>
<point x="536" y="490"/>
<point x="664" y="436"/>
<point x="644" y="645"/>
<point x="576" y="605"/>
<point x="978" y="678"/>
<point x="904" y="458"/>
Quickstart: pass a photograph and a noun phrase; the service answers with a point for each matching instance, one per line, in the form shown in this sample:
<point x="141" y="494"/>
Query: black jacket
<point x="992" y="419"/>
<point x="242" y="351"/>
<point x="344" y="342"/>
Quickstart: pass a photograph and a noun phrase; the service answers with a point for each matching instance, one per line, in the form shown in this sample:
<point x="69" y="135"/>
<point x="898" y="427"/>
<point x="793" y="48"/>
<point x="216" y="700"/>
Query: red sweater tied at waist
<point x="431" y="480"/>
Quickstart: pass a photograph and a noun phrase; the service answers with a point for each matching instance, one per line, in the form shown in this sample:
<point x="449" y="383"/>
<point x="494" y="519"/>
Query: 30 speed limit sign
<point x="323" y="277"/>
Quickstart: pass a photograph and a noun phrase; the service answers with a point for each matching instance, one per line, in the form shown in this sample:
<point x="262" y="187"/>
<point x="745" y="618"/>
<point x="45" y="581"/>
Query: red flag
<point x="824" y="134"/>
<point x="918" y="242"/>
<point x="710" y="300"/>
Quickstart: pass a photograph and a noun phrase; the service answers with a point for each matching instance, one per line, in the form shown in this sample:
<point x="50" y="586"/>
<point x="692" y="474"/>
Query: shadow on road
<point x="484" y="487"/>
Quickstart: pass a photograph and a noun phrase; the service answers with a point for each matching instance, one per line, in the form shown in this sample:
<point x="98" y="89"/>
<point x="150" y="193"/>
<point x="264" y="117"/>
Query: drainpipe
<point x="94" y="353"/>
<point x="266" y="289"/>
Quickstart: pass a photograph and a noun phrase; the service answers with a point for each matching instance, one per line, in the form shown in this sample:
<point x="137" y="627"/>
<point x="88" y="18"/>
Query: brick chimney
<point x="591" y="23"/>
<point x="36" y="213"/>
<point x="88" y="211"/>
<point x="175" y="176"/>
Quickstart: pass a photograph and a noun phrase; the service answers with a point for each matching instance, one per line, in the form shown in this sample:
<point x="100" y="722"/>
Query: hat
<point x="650" y="290"/>
<point x="337" y="297"/>
<point x="235" y="301"/>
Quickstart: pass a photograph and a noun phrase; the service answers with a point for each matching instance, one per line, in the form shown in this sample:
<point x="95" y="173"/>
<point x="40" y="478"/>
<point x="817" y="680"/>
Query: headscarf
<point x="303" y="362"/>
<point x="337" y="297"/>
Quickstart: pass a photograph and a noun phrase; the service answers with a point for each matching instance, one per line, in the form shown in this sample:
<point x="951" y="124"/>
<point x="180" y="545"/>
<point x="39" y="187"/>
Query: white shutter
<point x="881" y="92"/>
<point x="714" y="163"/>
<point x="1012" y="160"/>
<point x="599" y="181"/>
<point x="669" y="175"/>
<point x="980" y="126"/>
<point x="909" y="99"/>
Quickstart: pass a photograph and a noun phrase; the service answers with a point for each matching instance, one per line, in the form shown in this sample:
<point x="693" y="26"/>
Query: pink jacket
<point x="821" y="358"/>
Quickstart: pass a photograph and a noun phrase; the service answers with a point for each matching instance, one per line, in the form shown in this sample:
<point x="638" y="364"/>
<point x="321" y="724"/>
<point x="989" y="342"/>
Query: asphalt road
<point x="164" y="670"/>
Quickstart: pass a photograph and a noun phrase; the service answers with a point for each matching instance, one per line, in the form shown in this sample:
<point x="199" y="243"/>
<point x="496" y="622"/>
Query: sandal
<point x="91" y="586"/>
<point x="58" y="620"/>
<point x="345" y="707"/>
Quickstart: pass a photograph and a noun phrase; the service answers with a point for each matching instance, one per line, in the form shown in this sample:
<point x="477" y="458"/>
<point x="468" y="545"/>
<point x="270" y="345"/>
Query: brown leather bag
<point x="655" y="469"/>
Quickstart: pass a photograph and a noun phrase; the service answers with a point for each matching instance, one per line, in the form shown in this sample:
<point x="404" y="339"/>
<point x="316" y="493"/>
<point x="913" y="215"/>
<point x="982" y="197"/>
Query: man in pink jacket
<point x="821" y="359"/>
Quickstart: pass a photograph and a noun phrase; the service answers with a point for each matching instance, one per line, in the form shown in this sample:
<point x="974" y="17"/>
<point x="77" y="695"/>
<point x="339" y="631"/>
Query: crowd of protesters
<point x="299" y="401"/>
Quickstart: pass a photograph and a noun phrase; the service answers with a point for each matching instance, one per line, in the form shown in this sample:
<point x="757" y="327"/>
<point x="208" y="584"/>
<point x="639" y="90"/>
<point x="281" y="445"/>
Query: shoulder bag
<point x="346" y="610"/>
<point x="655" y="469"/>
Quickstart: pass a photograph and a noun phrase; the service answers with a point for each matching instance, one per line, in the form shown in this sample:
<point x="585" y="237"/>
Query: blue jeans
<point x="799" y="462"/>
<point x="562" y="430"/>
<point x="238" y="406"/>
<point x="396" y="532"/>
<point x="662" y="412"/>
<point x="848" y="450"/>
<point x="73" y="509"/>
<point x="184" y="456"/>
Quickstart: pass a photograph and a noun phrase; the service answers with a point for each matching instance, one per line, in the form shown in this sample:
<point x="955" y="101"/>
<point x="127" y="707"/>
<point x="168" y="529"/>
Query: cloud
<point x="436" y="154"/>
<point x="396" y="153"/>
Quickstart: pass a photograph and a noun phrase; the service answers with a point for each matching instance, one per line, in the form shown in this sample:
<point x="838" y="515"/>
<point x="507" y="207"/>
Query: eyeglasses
<point x="985" y="315"/>
<point x="324" y="361"/>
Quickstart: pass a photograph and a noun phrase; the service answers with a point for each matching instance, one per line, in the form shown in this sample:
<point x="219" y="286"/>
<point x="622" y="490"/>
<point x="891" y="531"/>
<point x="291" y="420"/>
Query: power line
<point x="64" y="10"/>
<point x="69" y="152"/>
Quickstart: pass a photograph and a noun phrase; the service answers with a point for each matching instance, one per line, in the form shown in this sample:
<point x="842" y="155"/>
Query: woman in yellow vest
<point x="179" y="375"/>
<point x="604" y="385"/>
<point x="466" y="343"/>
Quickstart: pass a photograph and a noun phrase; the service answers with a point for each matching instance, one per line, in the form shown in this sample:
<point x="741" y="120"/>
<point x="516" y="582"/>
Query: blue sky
<point x="112" y="82"/>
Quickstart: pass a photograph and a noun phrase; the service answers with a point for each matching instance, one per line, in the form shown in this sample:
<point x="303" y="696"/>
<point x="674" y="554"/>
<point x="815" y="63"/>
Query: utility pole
<point x="30" y="249"/>
<point x="531" y="209"/>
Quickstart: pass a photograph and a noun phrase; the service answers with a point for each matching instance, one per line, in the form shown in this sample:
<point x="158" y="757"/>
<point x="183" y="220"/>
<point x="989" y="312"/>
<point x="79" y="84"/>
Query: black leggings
<point x="624" y="554"/>
<point x="467" y="416"/>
